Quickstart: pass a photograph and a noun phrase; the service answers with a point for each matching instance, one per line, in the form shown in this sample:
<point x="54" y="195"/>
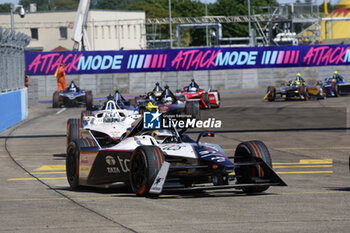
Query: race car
<point x="335" y="87"/>
<point x="72" y="96"/>
<point x="119" y="102"/>
<point x="295" y="90"/>
<point x="167" y="102"/>
<point x="209" y="99"/>
<point x="107" y="125"/>
<point x="157" y="161"/>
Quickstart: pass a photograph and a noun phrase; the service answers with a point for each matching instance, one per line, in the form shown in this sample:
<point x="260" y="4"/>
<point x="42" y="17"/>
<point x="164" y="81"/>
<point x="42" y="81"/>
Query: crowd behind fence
<point x="12" y="63"/>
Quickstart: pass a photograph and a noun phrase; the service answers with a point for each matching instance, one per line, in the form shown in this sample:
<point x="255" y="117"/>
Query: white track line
<point x="60" y="111"/>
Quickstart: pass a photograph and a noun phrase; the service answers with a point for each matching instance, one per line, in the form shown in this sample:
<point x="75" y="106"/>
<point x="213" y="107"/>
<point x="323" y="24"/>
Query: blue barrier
<point x="13" y="108"/>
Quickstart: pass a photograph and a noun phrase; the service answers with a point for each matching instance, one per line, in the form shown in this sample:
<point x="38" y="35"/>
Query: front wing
<point x="270" y="178"/>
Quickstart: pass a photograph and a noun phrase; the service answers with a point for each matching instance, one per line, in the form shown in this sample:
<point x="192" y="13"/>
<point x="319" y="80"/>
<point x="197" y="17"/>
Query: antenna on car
<point x="176" y="133"/>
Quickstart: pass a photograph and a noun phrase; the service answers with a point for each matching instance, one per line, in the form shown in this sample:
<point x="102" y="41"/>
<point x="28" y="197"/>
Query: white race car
<point x="107" y="125"/>
<point x="153" y="161"/>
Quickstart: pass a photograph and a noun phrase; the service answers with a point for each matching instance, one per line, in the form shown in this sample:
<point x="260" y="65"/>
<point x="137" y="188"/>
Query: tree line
<point x="160" y="9"/>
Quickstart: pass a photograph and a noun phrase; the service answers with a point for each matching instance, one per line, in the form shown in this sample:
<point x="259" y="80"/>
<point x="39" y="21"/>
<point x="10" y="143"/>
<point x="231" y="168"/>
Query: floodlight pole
<point x="170" y="28"/>
<point x="249" y="25"/>
<point x="206" y="22"/>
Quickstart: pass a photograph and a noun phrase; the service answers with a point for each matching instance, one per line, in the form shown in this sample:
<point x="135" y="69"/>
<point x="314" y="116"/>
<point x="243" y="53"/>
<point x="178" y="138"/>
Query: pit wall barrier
<point x="14" y="107"/>
<point x="136" y="71"/>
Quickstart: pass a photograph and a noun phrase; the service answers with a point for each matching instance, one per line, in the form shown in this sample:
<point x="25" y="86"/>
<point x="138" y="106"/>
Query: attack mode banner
<point x="166" y="60"/>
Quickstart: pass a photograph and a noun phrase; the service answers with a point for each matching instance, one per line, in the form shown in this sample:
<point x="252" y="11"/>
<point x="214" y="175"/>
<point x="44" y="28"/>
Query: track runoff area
<point x="309" y="146"/>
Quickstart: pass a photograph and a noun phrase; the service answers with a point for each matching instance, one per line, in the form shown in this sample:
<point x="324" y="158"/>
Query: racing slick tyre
<point x="206" y="100"/>
<point x="142" y="109"/>
<point x="72" y="164"/>
<point x="245" y="152"/>
<point x="145" y="163"/>
<point x="272" y="93"/>
<point x="335" y="89"/>
<point x="56" y="100"/>
<point x="73" y="130"/>
<point x="85" y="113"/>
<point x="88" y="100"/>
<point x="303" y="92"/>
<point x="192" y="109"/>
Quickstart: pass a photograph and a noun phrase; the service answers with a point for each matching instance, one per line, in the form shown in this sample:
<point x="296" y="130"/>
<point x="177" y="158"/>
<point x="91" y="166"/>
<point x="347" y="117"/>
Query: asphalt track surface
<point x="308" y="142"/>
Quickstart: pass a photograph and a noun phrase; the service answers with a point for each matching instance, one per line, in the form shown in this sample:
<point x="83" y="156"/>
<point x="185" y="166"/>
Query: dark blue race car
<point x="335" y="87"/>
<point x="167" y="103"/>
<point x="73" y="96"/>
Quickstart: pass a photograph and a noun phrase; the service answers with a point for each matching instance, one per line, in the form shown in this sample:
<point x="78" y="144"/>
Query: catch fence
<point x="12" y="62"/>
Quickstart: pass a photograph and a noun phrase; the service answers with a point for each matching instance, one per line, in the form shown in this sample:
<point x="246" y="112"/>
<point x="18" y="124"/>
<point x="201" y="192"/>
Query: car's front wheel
<point x="271" y="93"/>
<point x="73" y="130"/>
<point x="145" y="164"/>
<point x="88" y="100"/>
<point x="56" y="100"/>
<point x="72" y="165"/>
<point x="246" y="152"/>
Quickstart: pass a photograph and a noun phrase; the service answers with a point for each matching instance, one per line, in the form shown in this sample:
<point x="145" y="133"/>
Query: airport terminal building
<point x="106" y="29"/>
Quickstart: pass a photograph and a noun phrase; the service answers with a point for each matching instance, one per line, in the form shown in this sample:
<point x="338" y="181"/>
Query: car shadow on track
<point x="206" y="194"/>
<point x="341" y="189"/>
<point x="59" y="156"/>
<point x="122" y="190"/>
<point x="114" y="189"/>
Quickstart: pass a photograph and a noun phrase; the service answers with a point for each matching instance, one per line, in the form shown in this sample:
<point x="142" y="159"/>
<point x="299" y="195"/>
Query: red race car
<point x="209" y="99"/>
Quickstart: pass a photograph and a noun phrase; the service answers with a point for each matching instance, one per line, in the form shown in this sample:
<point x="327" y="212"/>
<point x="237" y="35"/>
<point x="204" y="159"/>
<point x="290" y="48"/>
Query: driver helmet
<point x="193" y="89"/>
<point x="168" y="100"/>
<point x="335" y="72"/>
<point x="298" y="76"/>
<point x="112" y="117"/>
<point x="161" y="134"/>
<point x="72" y="88"/>
<point x="296" y="82"/>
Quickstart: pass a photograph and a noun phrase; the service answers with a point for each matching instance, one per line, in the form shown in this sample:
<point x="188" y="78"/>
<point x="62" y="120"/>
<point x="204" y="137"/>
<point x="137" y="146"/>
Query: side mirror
<point x="208" y="134"/>
<point x="205" y="134"/>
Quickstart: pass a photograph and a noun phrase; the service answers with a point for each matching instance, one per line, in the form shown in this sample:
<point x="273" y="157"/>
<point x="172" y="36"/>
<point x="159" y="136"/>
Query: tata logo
<point x="110" y="160"/>
<point x="151" y="120"/>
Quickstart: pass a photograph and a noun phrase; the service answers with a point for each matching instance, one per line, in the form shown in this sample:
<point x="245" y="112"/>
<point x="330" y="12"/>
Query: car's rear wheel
<point x="303" y="93"/>
<point x="88" y="100"/>
<point x="145" y="164"/>
<point x="72" y="164"/>
<point x="335" y="89"/>
<point x="85" y="113"/>
<point x="206" y="100"/>
<point x="192" y="109"/>
<point x="246" y="152"/>
<point x="272" y="93"/>
<point x="73" y="130"/>
<point x="56" y="100"/>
